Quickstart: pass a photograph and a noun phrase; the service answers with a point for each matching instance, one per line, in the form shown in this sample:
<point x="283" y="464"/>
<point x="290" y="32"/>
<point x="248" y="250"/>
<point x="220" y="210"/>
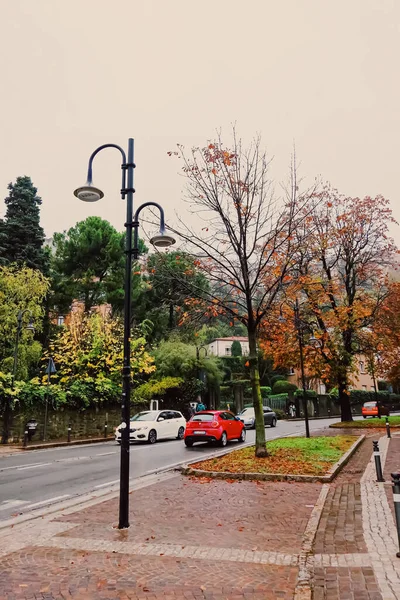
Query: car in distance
<point x="152" y="425"/>
<point x="247" y="416"/>
<point x="214" y="426"/>
<point x="370" y="409"/>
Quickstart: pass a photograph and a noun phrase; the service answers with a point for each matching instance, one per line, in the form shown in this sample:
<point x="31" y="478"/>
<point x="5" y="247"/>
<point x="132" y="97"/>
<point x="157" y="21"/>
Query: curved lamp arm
<point x="89" y="179"/>
<point x="135" y="225"/>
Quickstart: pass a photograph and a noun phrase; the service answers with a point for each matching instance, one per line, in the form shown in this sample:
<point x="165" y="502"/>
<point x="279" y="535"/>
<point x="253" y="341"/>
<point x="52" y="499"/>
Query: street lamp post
<point x="90" y="193"/>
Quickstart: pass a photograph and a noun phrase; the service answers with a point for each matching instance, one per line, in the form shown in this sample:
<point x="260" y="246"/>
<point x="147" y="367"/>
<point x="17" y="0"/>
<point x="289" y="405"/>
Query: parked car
<point x="153" y="425"/>
<point x="248" y="417"/>
<point x="370" y="409"/>
<point x="214" y="426"/>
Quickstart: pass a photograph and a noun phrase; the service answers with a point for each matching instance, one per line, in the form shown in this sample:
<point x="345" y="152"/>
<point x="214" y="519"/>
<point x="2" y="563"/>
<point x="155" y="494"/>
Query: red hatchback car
<point x="218" y="426"/>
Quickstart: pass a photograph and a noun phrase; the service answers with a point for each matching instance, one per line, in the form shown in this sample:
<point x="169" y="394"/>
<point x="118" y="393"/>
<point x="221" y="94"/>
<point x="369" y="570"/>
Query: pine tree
<point x="21" y="236"/>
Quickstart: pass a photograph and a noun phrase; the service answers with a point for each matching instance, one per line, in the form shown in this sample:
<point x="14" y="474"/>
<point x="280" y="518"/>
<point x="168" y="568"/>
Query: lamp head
<point x="30" y="326"/>
<point x="315" y="342"/>
<point x="88" y="193"/>
<point x="161" y="240"/>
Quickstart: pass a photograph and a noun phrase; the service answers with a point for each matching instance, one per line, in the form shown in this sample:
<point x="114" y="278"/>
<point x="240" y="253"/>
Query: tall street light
<point x="90" y="193"/>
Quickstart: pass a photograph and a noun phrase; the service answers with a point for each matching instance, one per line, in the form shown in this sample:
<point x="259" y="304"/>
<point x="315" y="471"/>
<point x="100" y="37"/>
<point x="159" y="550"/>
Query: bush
<point x="226" y="393"/>
<point x="279" y="397"/>
<point x="265" y="391"/>
<point x="283" y="386"/>
<point x="361" y="396"/>
<point x="280" y="414"/>
<point x="310" y="393"/>
<point x="236" y="348"/>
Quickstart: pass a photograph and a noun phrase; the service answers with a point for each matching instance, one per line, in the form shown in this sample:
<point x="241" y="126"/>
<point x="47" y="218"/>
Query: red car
<point x="218" y="426"/>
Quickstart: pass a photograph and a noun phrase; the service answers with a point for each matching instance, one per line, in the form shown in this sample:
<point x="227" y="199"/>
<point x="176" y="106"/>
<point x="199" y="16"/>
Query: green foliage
<point x="309" y="393"/>
<point x="21" y="236"/>
<point x="361" y="396"/>
<point x="7" y="394"/>
<point x="265" y="391"/>
<point x="157" y="388"/>
<point x="21" y="289"/>
<point x="88" y="355"/>
<point x="88" y="265"/>
<point x="236" y="348"/>
<point x="282" y="386"/>
<point x="226" y="393"/>
<point x="279" y="397"/>
<point x="163" y="290"/>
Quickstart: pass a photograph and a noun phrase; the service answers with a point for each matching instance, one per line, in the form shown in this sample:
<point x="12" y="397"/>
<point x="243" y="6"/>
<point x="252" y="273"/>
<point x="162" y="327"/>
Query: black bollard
<point x="25" y="438"/>
<point x="378" y="465"/>
<point x="388" y="427"/>
<point x="69" y="433"/>
<point x="105" y="430"/>
<point x="396" y="499"/>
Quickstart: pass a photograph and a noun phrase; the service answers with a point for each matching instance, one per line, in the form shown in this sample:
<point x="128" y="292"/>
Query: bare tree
<point x="242" y="238"/>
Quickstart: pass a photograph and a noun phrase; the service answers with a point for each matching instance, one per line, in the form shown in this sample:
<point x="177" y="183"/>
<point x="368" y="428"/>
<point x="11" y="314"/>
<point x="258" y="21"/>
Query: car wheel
<point x="273" y="422"/>
<point x="188" y="443"/>
<point x="152" y="436"/>
<point x="364" y="417"/>
<point x="181" y="433"/>
<point x="224" y="439"/>
<point x="243" y="435"/>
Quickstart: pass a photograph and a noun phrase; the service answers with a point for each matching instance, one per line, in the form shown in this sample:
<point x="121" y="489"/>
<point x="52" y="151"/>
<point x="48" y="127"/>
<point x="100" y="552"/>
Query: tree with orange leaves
<point x="243" y="240"/>
<point x="341" y="282"/>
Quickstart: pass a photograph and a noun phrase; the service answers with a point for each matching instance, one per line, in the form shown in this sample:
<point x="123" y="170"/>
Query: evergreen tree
<point x="21" y="236"/>
<point x="236" y="348"/>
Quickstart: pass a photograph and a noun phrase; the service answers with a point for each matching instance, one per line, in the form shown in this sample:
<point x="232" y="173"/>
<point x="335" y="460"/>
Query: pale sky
<point x="77" y="74"/>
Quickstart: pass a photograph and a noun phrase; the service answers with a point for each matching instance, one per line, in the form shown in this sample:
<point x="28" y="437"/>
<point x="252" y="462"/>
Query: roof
<point x="230" y="339"/>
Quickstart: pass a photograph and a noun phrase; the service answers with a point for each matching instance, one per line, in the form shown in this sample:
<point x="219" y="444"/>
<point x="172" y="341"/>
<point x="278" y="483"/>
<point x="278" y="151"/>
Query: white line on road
<point x="10" y="504"/>
<point x="33" y="466"/>
<point x="48" y="501"/>
<point x="105" y="484"/>
<point x="105" y="454"/>
<point x="19" y="466"/>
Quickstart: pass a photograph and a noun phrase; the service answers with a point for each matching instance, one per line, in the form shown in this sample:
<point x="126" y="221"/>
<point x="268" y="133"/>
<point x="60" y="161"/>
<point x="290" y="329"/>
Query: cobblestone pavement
<point x="215" y="540"/>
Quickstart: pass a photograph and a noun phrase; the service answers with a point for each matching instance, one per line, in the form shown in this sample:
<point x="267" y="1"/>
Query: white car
<point x="153" y="425"/>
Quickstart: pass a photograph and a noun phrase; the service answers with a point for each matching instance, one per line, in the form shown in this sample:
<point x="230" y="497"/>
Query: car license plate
<point x="200" y="432"/>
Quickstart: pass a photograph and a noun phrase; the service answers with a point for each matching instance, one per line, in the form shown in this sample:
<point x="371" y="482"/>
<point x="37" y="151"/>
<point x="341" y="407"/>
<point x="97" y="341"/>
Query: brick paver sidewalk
<point x="193" y="539"/>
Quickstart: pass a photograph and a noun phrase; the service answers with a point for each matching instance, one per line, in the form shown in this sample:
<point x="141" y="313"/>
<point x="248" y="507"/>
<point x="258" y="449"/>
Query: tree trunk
<point x="344" y="400"/>
<point x="171" y="316"/>
<point x="261" y="450"/>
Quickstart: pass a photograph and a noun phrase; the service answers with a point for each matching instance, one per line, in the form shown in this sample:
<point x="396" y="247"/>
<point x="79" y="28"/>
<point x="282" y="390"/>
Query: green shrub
<point x="279" y="397"/>
<point x="282" y="386"/>
<point x="265" y="391"/>
<point x="310" y="393"/>
<point x="280" y="414"/>
<point x="236" y="348"/>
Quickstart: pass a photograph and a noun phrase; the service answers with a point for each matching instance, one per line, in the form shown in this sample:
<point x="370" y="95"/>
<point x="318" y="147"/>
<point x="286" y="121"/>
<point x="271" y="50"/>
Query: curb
<point x="333" y="471"/>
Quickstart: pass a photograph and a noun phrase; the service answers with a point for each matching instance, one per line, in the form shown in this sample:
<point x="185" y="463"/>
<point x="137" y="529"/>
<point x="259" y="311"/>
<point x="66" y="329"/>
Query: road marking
<point x="9" y="504"/>
<point x="19" y="466"/>
<point x="105" y="453"/>
<point x="33" y="466"/>
<point x="48" y="501"/>
<point x="105" y="484"/>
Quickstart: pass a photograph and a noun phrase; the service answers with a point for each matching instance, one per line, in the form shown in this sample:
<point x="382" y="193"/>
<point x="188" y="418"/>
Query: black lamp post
<point x="90" y="193"/>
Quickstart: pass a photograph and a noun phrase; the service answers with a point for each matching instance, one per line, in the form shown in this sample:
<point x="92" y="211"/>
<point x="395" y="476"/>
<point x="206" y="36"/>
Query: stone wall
<point x="84" y="424"/>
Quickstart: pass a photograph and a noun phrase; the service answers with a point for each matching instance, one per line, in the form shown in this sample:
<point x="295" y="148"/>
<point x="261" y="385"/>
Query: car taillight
<point x="215" y="424"/>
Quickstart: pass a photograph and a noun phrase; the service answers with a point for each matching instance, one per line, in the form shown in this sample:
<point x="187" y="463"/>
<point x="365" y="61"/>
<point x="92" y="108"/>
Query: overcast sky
<point x="77" y="74"/>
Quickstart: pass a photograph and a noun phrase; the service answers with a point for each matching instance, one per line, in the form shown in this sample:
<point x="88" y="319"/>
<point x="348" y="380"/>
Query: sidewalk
<point x="216" y="540"/>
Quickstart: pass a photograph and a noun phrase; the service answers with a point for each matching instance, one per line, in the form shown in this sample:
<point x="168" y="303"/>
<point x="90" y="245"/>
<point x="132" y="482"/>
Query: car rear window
<point x="203" y="417"/>
<point x="370" y="405"/>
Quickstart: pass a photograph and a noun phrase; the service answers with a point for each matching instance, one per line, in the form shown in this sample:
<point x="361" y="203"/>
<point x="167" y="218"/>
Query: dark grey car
<point x="248" y="417"/>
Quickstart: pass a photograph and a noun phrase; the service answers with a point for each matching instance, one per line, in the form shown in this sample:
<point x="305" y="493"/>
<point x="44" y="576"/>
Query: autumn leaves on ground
<point x="294" y="456"/>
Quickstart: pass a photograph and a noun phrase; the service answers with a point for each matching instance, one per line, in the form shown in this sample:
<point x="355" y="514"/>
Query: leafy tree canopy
<point x="21" y="236"/>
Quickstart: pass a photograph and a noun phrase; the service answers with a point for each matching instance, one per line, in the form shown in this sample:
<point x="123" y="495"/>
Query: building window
<point x="60" y="320"/>
<point x="245" y="350"/>
<point x="227" y="351"/>
<point x="364" y="387"/>
<point x="291" y="371"/>
<point x="212" y="350"/>
<point x="362" y="369"/>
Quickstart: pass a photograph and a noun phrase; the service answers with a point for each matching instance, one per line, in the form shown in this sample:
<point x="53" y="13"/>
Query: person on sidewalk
<point x="200" y="406"/>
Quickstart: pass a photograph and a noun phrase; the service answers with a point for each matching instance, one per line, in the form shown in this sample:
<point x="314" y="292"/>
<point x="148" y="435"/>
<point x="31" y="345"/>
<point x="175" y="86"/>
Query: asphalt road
<point x="34" y="479"/>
